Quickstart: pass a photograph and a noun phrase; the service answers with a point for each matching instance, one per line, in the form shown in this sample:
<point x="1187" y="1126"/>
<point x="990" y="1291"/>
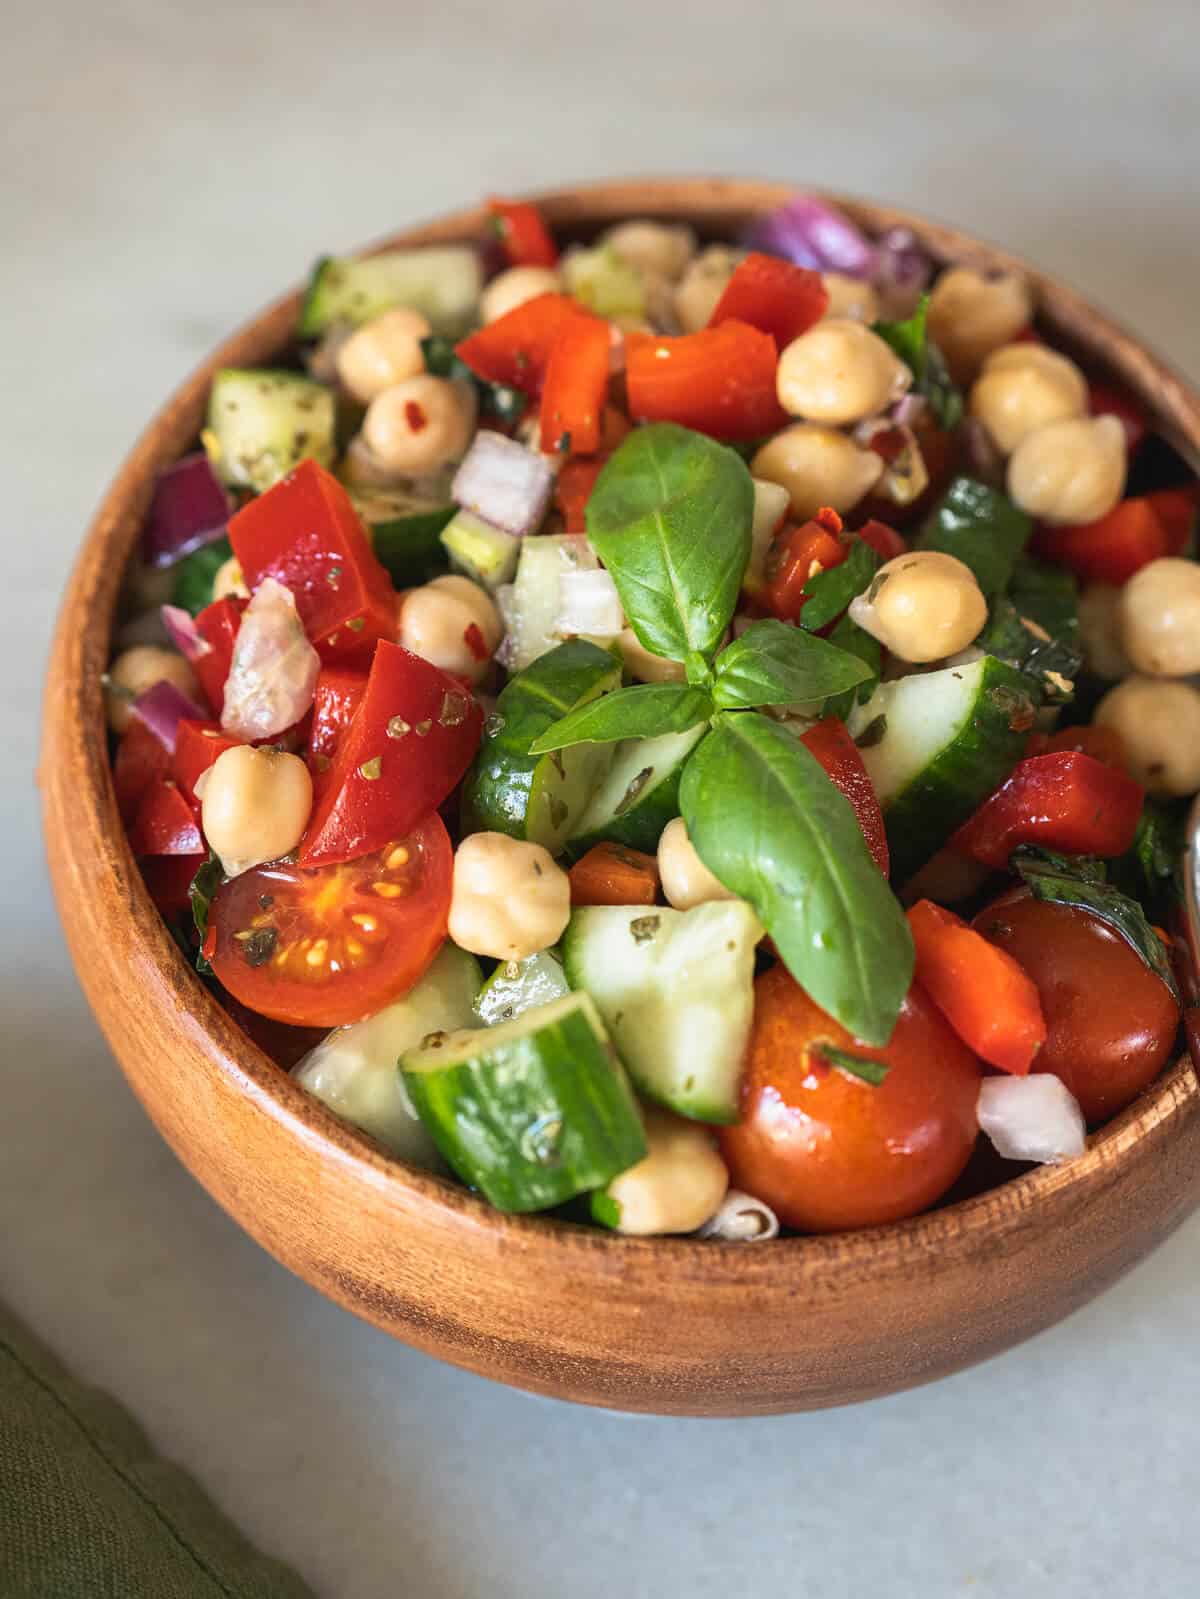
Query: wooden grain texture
<point x="663" y="1325"/>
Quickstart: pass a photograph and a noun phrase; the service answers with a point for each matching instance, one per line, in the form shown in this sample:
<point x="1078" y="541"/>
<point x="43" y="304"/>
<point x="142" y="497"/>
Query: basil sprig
<point x="910" y="340"/>
<point x="765" y="818"/>
<point x="646" y="710"/>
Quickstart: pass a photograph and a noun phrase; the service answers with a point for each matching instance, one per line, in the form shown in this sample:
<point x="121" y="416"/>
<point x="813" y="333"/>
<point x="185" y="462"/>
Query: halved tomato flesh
<point x="328" y="945"/>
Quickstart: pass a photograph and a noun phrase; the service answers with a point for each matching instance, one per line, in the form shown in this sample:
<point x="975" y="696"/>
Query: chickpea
<point x="677" y="1187"/>
<point x="818" y="466"/>
<point x="1100" y="632"/>
<point x="655" y="248"/>
<point x="850" y="298"/>
<point x="514" y="287"/>
<point x="509" y="899"/>
<point x="255" y="806"/>
<point x="1023" y="387"/>
<point x="1160" y="618"/>
<point x="970" y="315"/>
<point x="383" y="352"/>
<point x="702" y="285"/>
<point x="922" y="606"/>
<point x="686" y="881"/>
<point x="230" y="583"/>
<point x="839" y="372"/>
<point x="436" y="619"/>
<point x="419" y="425"/>
<point x="1069" y="472"/>
<point x="1158" y="722"/>
<point x="642" y="665"/>
<point x="137" y="669"/>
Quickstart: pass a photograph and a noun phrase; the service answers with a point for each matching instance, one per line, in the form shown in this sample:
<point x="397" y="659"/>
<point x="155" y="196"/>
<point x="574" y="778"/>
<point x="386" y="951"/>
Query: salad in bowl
<point x="693" y="736"/>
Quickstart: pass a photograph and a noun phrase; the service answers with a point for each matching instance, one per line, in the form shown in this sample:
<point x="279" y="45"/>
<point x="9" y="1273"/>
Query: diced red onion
<point x="742" y="1219"/>
<point x="983" y="460"/>
<point x="812" y="233"/>
<point x="274" y="668"/>
<point x="908" y="410"/>
<point x="183" y="632"/>
<point x="162" y="707"/>
<point x="190" y="508"/>
<point x="588" y="603"/>
<point x="1032" y="1118"/>
<point x="504" y="483"/>
<point x="902" y="271"/>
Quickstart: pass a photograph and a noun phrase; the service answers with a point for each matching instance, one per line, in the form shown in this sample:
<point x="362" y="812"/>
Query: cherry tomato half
<point x="830" y="1152"/>
<point x="332" y="944"/>
<point x="1110" y="1021"/>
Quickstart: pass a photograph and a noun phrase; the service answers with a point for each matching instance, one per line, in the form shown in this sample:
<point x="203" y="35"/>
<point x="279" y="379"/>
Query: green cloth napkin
<point x="89" y="1511"/>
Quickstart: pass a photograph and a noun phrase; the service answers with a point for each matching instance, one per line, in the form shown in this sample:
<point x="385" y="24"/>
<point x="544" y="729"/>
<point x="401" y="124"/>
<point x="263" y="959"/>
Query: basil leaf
<point x="766" y="819"/>
<point x="1152" y="870"/>
<point x="774" y="664"/>
<point x="829" y="593"/>
<point x="644" y="711"/>
<point x="1052" y="663"/>
<point x="670" y="518"/>
<point x="1048" y="595"/>
<point x="203" y="886"/>
<point x="1080" y="880"/>
<point x="410" y="547"/>
<point x="982" y="528"/>
<point x="867" y="1071"/>
<point x="195" y="574"/>
<point x="847" y="635"/>
<point x="910" y="340"/>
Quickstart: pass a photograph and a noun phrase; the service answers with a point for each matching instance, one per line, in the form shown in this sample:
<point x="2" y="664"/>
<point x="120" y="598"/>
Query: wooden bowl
<point x="662" y="1325"/>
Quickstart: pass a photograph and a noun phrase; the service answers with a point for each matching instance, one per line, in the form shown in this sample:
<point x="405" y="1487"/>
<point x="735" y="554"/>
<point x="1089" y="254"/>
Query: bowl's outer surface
<point x="659" y="1325"/>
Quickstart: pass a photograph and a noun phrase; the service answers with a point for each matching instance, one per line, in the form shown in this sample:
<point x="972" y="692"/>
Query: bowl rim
<point x="74" y="706"/>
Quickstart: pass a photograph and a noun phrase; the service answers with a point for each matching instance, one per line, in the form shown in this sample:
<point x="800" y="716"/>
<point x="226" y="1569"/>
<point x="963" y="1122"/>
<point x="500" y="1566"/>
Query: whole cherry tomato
<point x="1110" y="1021"/>
<point x="828" y="1151"/>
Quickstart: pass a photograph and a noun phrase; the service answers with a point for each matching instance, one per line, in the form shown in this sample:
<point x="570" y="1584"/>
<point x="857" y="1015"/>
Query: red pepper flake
<point x="476" y="643"/>
<point x="414" y="415"/>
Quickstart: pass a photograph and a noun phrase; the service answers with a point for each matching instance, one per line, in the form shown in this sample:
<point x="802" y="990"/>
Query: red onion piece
<point x="190" y="508"/>
<point x="183" y="632"/>
<point x="983" y="460"/>
<point x="1032" y="1118"/>
<point x="903" y="268"/>
<point x="162" y="707"/>
<point x="504" y="483"/>
<point x="274" y="668"/>
<point x="812" y="233"/>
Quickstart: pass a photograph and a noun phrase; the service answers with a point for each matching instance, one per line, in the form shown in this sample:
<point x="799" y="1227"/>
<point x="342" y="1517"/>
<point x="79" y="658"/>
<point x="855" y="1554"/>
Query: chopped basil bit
<point x="867" y="1071"/>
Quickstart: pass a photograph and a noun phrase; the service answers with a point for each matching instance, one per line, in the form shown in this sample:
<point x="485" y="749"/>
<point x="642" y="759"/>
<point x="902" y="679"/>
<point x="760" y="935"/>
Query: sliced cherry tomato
<point x="1133" y="534"/>
<point x="337" y="696"/>
<point x="1111" y="1022"/>
<point x="1103" y="744"/>
<point x="515" y="348"/>
<point x="169" y="879"/>
<point x="795" y="555"/>
<point x="306" y="533"/>
<point x="828" y="1151"/>
<point x="1062" y="801"/>
<point x="838" y="754"/>
<point x="410" y="742"/>
<point x="325" y="947"/>
<point x="1105" y="399"/>
<point x="720" y="381"/>
<point x="165" y="824"/>
<point x="884" y="540"/>
<point x="218" y="625"/>
<point x="197" y="746"/>
<point x="523" y="235"/>
<point x="573" y="489"/>
<point x="575" y="388"/>
<point x="1176" y="511"/>
<point x="774" y="296"/>
<point x="141" y="758"/>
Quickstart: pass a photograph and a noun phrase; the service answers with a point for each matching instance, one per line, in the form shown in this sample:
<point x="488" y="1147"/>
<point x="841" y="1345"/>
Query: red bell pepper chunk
<point x="838" y="754"/>
<point x="884" y="540"/>
<point x="1133" y="534"/>
<point x="218" y="625"/>
<point x="165" y="823"/>
<point x="1176" y="510"/>
<point x="169" y="879"/>
<point x="1063" y="801"/>
<point x="306" y="533"/>
<point x="411" y="740"/>
<point x="573" y="489"/>
<point x="1103" y="744"/>
<point x="1105" y="399"/>
<point x="523" y="235"/>
<point x="774" y="296"/>
<point x="987" y="997"/>
<point x="336" y="698"/>
<point x="576" y="387"/>
<point x="795" y="555"/>
<point x="197" y="746"/>
<point x="515" y="348"/>
<point x="141" y="759"/>
<point x="720" y="381"/>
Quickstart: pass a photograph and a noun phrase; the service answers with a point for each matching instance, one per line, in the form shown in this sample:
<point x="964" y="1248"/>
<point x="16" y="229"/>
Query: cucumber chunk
<point x="517" y="986"/>
<point x="535" y="597"/>
<point x="676" y="989"/>
<point x="530" y="1112"/>
<point x="640" y="795"/>
<point x="484" y="553"/>
<point x="442" y="282"/>
<point x="355" y="1070"/>
<point x="540" y="797"/>
<point x="935" y="745"/>
<point x="262" y="423"/>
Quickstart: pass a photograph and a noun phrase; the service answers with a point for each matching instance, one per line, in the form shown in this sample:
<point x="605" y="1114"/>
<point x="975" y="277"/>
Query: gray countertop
<point x="166" y="169"/>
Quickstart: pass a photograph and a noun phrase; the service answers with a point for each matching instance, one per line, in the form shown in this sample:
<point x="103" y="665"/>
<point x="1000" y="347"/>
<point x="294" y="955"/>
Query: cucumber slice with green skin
<point x="262" y="423"/>
<point x="535" y="598"/>
<point x="540" y="798"/>
<point x="640" y="795"/>
<point x="444" y="283"/>
<point x="405" y="530"/>
<point x="517" y="986"/>
<point x="355" y="1070"/>
<point x="484" y="553"/>
<point x="676" y="989"/>
<point x="935" y="745"/>
<point x="531" y="1112"/>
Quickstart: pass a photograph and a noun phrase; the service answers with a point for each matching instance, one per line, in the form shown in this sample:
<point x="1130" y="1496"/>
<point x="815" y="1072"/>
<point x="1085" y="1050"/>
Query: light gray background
<point x="164" y="169"/>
